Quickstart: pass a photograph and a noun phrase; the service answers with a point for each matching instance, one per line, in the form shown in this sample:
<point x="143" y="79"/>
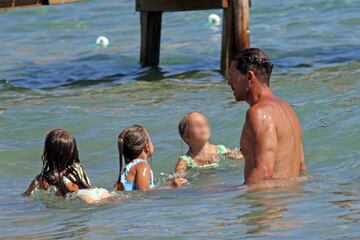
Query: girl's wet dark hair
<point x="59" y="158"/>
<point x="256" y="60"/>
<point x="131" y="143"/>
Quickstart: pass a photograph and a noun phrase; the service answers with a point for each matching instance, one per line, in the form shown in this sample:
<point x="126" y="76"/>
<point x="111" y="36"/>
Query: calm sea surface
<point x="51" y="76"/>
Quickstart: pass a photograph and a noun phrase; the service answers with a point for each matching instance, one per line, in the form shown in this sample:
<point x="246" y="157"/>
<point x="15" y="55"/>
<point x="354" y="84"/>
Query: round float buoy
<point x="102" y="42"/>
<point x="214" y="20"/>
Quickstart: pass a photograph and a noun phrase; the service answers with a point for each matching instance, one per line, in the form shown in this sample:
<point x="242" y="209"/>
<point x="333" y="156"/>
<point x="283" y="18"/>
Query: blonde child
<point x="195" y="131"/>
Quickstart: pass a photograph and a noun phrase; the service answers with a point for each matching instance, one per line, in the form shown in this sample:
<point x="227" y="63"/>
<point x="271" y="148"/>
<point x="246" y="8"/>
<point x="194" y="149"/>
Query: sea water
<point x="51" y="76"/>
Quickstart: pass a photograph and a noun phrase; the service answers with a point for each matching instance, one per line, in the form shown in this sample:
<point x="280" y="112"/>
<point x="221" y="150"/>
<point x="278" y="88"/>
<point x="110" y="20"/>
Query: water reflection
<point x="350" y="203"/>
<point x="269" y="209"/>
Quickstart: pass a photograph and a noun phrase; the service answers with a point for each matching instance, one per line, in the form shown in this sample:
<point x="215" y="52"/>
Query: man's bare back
<point x="271" y="141"/>
<point x="280" y="135"/>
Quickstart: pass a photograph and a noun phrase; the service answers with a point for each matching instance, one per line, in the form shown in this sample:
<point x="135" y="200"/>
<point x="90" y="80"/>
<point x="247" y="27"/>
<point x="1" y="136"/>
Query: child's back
<point x="62" y="171"/>
<point x="135" y="148"/>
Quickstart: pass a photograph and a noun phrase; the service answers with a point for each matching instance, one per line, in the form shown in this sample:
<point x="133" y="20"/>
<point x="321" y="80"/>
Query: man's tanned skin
<point x="271" y="140"/>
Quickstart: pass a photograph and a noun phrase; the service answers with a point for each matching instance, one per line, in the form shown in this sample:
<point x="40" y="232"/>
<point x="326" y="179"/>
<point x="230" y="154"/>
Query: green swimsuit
<point x="190" y="163"/>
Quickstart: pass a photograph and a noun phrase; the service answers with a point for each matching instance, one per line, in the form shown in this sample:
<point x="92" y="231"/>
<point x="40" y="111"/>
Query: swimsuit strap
<point x="80" y="172"/>
<point x="221" y="149"/>
<point x="134" y="163"/>
<point x="189" y="160"/>
<point x="128" y="167"/>
<point x="131" y="165"/>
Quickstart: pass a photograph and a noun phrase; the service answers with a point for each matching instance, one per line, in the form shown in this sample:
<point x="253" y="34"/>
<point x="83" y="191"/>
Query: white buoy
<point x="102" y="42"/>
<point x="214" y="20"/>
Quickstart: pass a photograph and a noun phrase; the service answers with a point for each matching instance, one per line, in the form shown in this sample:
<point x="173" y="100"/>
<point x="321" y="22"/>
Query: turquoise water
<point x="50" y="76"/>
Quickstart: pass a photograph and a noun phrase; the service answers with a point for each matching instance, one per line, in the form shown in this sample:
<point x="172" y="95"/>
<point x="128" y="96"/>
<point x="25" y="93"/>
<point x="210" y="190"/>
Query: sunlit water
<point x="51" y="76"/>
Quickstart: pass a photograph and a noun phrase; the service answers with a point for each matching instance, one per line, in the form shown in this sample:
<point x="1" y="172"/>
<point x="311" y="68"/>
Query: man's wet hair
<point x="257" y="61"/>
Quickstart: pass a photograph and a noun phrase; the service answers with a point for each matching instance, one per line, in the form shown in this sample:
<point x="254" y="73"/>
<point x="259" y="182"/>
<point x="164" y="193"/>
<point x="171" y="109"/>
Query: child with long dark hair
<point x="135" y="148"/>
<point x="62" y="171"/>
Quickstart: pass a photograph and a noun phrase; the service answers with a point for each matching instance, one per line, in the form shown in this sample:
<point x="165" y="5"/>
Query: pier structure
<point x="235" y="24"/>
<point x="235" y="32"/>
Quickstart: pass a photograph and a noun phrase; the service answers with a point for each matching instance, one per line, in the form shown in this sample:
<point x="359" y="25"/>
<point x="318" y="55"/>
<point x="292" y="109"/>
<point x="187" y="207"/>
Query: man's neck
<point x="257" y="94"/>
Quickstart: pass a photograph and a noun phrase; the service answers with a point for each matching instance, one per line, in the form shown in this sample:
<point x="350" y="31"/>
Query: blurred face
<point x="238" y="82"/>
<point x="198" y="129"/>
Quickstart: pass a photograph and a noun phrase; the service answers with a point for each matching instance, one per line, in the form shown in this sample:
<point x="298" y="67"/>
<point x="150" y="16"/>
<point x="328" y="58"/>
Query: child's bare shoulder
<point x="141" y="166"/>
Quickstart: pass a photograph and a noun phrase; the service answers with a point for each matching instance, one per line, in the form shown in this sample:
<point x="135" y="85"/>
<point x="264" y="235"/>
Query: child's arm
<point x="33" y="185"/>
<point x="180" y="166"/>
<point x="72" y="187"/>
<point x="234" y="154"/>
<point x="38" y="183"/>
<point x="142" y="177"/>
<point x="180" y="173"/>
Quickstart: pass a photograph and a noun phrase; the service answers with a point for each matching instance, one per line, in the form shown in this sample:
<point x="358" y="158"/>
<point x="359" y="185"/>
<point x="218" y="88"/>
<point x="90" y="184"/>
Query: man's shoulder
<point x="267" y="106"/>
<point x="260" y="109"/>
<point x="262" y="113"/>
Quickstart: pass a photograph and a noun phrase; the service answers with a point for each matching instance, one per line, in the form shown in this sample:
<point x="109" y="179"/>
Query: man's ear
<point x="251" y="78"/>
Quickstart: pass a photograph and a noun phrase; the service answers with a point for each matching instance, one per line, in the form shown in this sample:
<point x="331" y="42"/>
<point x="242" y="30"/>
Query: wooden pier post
<point x="6" y="4"/>
<point x="150" y="38"/>
<point x="227" y="44"/>
<point x="236" y="33"/>
<point x="241" y="24"/>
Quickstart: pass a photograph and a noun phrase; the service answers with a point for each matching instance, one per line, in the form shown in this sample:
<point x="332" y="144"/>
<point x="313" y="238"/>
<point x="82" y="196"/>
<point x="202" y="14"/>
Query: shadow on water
<point x="181" y="74"/>
<point x="317" y="57"/>
<point x="150" y="74"/>
<point x="98" y="69"/>
<point x="351" y="205"/>
<point x="269" y="209"/>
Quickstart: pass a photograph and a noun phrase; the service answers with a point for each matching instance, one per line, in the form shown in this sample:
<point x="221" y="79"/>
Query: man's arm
<point x="263" y="133"/>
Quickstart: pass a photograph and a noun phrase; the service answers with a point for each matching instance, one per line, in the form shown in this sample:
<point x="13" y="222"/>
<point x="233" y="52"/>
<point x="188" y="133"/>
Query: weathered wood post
<point x="236" y="33"/>
<point x="241" y="24"/>
<point x="227" y="38"/>
<point x="150" y="38"/>
<point x="7" y="4"/>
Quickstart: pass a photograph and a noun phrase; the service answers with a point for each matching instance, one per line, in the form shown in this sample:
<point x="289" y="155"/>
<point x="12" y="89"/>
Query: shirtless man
<point x="271" y="140"/>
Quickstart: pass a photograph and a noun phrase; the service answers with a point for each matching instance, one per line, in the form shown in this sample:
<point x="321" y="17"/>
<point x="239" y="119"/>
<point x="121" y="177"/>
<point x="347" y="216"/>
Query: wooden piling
<point x="236" y="33"/>
<point x="8" y="4"/>
<point x="227" y="39"/>
<point x="241" y="24"/>
<point x="150" y="38"/>
<point x="179" y="5"/>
